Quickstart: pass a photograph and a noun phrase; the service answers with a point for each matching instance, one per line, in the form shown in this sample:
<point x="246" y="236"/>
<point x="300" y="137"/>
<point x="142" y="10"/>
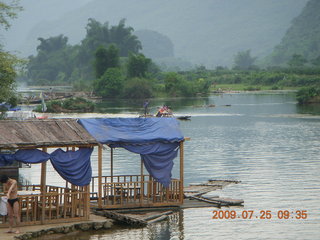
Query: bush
<point x="308" y="95"/>
<point x="138" y="88"/>
<point x="110" y="84"/>
<point x="68" y="105"/>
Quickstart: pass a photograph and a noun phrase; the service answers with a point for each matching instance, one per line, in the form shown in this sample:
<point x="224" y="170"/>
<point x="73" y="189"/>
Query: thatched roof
<point x="43" y="133"/>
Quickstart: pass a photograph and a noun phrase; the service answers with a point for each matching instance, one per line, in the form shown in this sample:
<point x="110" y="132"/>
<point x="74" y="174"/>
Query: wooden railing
<point x="57" y="204"/>
<point x="135" y="191"/>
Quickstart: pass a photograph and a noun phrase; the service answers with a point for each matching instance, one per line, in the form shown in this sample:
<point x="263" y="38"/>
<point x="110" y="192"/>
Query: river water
<point x="264" y="140"/>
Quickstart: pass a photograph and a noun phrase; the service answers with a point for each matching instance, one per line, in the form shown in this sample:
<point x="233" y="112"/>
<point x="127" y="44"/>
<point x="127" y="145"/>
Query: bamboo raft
<point x="142" y="219"/>
<point x="194" y="198"/>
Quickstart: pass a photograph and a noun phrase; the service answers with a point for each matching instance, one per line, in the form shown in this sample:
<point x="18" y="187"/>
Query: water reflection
<point x="313" y="109"/>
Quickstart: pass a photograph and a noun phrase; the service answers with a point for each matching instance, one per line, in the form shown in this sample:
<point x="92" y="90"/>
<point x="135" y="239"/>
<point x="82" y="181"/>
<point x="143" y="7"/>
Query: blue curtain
<point x="31" y="156"/>
<point x="157" y="158"/>
<point x="73" y="166"/>
<point x="6" y="159"/>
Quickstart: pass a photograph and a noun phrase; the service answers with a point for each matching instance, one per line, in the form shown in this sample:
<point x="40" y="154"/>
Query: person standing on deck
<point x="145" y="106"/>
<point x="10" y="187"/>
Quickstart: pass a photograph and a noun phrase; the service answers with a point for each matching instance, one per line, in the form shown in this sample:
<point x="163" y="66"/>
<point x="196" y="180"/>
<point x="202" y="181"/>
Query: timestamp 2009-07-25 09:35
<point x="260" y="214"/>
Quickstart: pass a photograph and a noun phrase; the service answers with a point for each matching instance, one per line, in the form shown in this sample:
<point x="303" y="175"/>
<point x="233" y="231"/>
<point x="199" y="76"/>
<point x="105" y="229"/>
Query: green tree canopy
<point x="110" y="84"/>
<point x="106" y="58"/>
<point x="52" y="44"/>
<point x="53" y="63"/>
<point x="8" y="12"/>
<point x="138" y="88"/>
<point x="138" y="65"/>
<point x="297" y="60"/>
<point x="316" y="61"/>
<point x="243" y="60"/>
<point x="57" y="62"/>
<point x="8" y="62"/>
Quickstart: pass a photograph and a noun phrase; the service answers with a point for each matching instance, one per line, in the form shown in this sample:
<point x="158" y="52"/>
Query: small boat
<point x="165" y="111"/>
<point x="168" y="115"/>
<point x="184" y="117"/>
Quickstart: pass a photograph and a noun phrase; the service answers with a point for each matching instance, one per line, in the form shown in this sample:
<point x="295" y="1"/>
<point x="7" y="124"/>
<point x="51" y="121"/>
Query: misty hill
<point x="303" y="37"/>
<point x="208" y="32"/>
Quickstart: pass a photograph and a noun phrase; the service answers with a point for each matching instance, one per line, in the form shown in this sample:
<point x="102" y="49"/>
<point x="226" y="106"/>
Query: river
<point x="264" y="140"/>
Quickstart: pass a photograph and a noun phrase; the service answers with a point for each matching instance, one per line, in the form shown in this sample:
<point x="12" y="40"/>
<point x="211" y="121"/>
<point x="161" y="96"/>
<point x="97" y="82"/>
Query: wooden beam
<point x="33" y="146"/>
<point x="99" y="176"/>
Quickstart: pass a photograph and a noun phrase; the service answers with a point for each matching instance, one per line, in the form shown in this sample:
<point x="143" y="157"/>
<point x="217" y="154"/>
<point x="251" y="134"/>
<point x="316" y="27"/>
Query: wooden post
<point x="142" y="183"/>
<point x="43" y="187"/>
<point x="111" y="164"/>
<point x="99" y="176"/>
<point x="87" y="215"/>
<point x="181" y="172"/>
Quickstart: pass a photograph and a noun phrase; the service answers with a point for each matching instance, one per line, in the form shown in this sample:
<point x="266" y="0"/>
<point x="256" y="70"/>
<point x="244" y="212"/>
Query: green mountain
<point x="207" y="32"/>
<point x="302" y="38"/>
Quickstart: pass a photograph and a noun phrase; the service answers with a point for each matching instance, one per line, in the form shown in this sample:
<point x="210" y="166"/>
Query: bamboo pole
<point x="43" y="187"/>
<point x="100" y="176"/>
<point x="181" y="171"/>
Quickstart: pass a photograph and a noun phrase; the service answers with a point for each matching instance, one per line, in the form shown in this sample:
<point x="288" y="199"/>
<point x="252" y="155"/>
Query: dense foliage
<point x="274" y="78"/>
<point x="308" y="95"/>
<point x="57" y="62"/>
<point x="68" y="105"/>
<point x="301" y="41"/>
<point x="8" y="61"/>
<point x="108" y="63"/>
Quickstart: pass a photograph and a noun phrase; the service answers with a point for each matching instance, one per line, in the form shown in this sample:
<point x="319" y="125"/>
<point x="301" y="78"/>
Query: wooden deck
<point x="134" y="191"/>
<point x="53" y="205"/>
<point x="193" y="198"/>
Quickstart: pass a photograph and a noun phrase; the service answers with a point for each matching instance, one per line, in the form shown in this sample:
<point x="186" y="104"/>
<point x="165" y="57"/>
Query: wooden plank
<point x="122" y="218"/>
<point x="161" y="218"/>
<point x="228" y="201"/>
<point x="154" y="216"/>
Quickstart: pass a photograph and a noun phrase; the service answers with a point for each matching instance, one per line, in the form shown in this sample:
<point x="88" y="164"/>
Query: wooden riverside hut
<point x="30" y="141"/>
<point x="158" y="141"/>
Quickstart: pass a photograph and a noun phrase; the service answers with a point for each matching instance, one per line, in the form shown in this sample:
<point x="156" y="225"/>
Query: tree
<point x="243" y="60"/>
<point x="138" y="88"/>
<point x="106" y="58"/>
<point x="110" y="84"/>
<point x="8" y="62"/>
<point x="138" y="65"/>
<point x="122" y="36"/>
<point x="52" y="44"/>
<point x="7" y="12"/>
<point x="316" y="61"/>
<point x="54" y="62"/>
<point x="297" y="60"/>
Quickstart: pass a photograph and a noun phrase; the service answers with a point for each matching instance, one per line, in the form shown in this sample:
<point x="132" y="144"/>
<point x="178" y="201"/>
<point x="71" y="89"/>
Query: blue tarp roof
<point x="155" y="139"/>
<point x="133" y="130"/>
